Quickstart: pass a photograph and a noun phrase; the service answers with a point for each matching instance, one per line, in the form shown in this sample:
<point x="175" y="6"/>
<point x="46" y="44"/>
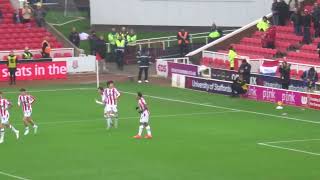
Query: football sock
<point x="108" y="123"/>
<point x="1" y="135"/>
<point x="140" y="130"/>
<point x="116" y="122"/>
<point x="13" y="129"/>
<point x="148" y="130"/>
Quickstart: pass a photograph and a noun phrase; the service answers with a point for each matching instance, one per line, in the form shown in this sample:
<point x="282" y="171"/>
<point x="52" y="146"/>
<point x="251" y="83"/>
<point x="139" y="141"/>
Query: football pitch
<point x="195" y="136"/>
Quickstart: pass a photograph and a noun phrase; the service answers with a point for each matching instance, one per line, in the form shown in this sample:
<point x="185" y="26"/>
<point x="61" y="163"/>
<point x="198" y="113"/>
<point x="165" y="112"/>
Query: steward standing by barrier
<point x="144" y="63"/>
<point x="120" y="48"/>
<point x="263" y="24"/>
<point x="131" y="42"/>
<point x="232" y="55"/>
<point x="214" y="34"/>
<point x="46" y="49"/>
<point x="12" y="66"/>
<point x="284" y="70"/>
<point x="245" y="71"/>
<point x="112" y="37"/>
<point x="27" y="54"/>
<point x="183" y="42"/>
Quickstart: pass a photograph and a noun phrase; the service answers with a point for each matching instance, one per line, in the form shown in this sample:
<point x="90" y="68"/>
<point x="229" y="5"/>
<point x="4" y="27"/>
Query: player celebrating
<point x="4" y="116"/>
<point x="144" y="118"/>
<point x="110" y="98"/>
<point x="26" y="100"/>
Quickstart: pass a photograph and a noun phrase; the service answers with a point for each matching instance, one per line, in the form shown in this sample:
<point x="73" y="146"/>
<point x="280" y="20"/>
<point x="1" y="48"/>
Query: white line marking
<point x="13" y="176"/>
<point x="289" y="149"/>
<point x="187" y="102"/>
<point x="289" y="141"/>
<point x="227" y="108"/>
<point x="137" y="117"/>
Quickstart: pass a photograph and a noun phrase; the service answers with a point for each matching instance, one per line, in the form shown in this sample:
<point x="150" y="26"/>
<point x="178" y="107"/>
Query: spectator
<point x="275" y="12"/>
<point x="12" y="66"/>
<point x="263" y="24"/>
<point x="39" y="15"/>
<point x="284" y="70"/>
<point x="101" y="47"/>
<point x="183" y="42"/>
<point x="283" y="12"/>
<point x="144" y="63"/>
<point x="120" y="47"/>
<point x="92" y="42"/>
<point x="296" y="20"/>
<point x="310" y="77"/>
<point x="45" y="49"/>
<point x="215" y="34"/>
<point x="101" y="50"/>
<point x="294" y="5"/>
<point x="232" y="55"/>
<point x="132" y="38"/>
<point x="245" y="71"/>
<point x="269" y="38"/>
<point x="74" y="37"/>
<point x="316" y="19"/>
<point x="306" y="22"/>
<point x="238" y="87"/>
<point x="112" y="37"/>
<point x="26" y="14"/>
<point x="27" y="54"/>
<point x="16" y="17"/>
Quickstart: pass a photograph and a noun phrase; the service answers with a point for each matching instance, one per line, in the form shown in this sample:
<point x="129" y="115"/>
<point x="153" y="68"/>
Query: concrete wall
<point x="177" y="12"/>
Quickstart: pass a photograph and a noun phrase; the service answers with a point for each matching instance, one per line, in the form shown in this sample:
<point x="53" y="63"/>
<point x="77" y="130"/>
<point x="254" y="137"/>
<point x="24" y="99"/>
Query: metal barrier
<point x="61" y="51"/>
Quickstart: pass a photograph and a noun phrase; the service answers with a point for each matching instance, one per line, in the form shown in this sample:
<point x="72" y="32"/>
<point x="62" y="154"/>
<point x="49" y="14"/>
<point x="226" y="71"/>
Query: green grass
<point x="191" y="141"/>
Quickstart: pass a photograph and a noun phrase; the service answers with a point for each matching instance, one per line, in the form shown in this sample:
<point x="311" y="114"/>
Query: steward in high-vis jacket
<point x="214" y="34"/>
<point x="232" y="55"/>
<point x="183" y="42"/>
<point x="112" y="37"/>
<point x="120" y="48"/>
<point x="12" y="66"/>
<point x="27" y="54"/>
<point x="144" y="63"/>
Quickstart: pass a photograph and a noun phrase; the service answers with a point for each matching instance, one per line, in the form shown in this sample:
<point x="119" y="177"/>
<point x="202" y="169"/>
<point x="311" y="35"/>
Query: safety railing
<point x="170" y="41"/>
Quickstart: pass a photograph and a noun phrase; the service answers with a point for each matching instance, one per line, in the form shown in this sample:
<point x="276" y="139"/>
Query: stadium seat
<point x="67" y="55"/>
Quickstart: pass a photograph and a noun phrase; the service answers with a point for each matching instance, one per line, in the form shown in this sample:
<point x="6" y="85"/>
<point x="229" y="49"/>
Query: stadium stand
<point x="18" y="36"/>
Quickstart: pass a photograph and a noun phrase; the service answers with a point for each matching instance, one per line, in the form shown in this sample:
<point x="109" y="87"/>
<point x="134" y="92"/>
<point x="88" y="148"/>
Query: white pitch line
<point x="289" y="141"/>
<point x="188" y="102"/>
<point x="227" y="108"/>
<point x="289" y="149"/>
<point x="13" y="176"/>
<point x="137" y="117"/>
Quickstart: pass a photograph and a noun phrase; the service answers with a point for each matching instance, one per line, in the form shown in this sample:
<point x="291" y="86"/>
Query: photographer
<point x="284" y="70"/>
<point x="245" y="70"/>
<point x="143" y="57"/>
<point x="310" y="77"/>
<point x="239" y="87"/>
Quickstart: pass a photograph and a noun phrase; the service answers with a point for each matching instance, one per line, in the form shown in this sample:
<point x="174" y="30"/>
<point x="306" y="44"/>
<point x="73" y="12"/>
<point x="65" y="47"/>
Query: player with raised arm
<point x="110" y="98"/>
<point x="26" y="100"/>
<point x="102" y="102"/>
<point x="144" y="117"/>
<point x="4" y="116"/>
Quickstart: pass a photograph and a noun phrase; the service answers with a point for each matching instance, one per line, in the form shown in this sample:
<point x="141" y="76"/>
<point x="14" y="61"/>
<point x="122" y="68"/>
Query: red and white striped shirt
<point x="26" y="102"/>
<point x="142" y="104"/>
<point x="110" y="96"/>
<point x="4" y="106"/>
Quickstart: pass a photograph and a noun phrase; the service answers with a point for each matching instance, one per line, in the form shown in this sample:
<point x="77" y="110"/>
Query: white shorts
<point x="111" y="108"/>
<point x="144" y="118"/>
<point x="5" y="119"/>
<point x="27" y="113"/>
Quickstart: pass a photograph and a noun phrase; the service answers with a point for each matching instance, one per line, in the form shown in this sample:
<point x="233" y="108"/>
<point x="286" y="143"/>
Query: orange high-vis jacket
<point x="183" y="37"/>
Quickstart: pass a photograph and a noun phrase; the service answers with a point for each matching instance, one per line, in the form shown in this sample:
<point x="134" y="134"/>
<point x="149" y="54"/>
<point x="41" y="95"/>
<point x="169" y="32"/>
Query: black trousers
<point x="183" y="49"/>
<point x="12" y="72"/>
<point x="237" y="90"/>
<point x="119" y="59"/>
<point x="285" y="85"/>
<point x="146" y="73"/>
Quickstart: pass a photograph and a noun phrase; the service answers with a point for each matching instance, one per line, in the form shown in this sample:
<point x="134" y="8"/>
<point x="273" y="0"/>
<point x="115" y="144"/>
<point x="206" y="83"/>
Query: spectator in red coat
<point x="269" y="38"/>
